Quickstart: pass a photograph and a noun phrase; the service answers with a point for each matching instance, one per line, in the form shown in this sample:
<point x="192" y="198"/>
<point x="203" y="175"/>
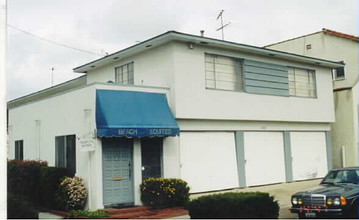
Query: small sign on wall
<point x="86" y="143"/>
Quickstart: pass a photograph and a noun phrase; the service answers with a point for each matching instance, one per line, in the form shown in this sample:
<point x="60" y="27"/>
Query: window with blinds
<point x="124" y="74"/>
<point x="223" y="72"/>
<point x="302" y="82"/>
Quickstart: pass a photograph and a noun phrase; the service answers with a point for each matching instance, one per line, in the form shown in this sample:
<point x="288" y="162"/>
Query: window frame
<point x="315" y="96"/>
<point x="239" y="72"/>
<point x="65" y="152"/>
<point x="335" y="73"/>
<point x="130" y="74"/>
<point x="19" y="150"/>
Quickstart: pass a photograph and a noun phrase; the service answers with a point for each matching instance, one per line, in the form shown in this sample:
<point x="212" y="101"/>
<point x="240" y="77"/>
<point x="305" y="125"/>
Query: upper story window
<point x="124" y="74"/>
<point x="223" y="72"/>
<point x="302" y="82"/>
<point x="338" y="73"/>
<point x="19" y="150"/>
<point x="65" y="152"/>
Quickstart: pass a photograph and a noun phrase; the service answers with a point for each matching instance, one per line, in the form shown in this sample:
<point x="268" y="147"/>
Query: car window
<point x="342" y="176"/>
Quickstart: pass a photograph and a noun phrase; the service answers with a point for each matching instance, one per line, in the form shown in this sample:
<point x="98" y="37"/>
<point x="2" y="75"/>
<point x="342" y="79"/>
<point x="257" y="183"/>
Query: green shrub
<point x="72" y="194"/>
<point x="23" y="178"/>
<point x="90" y="214"/>
<point x="162" y="192"/>
<point x="50" y="179"/>
<point x="18" y="207"/>
<point x="234" y="205"/>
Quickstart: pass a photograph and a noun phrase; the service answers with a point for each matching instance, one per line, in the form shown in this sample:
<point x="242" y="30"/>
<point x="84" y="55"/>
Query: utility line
<point x="50" y="41"/>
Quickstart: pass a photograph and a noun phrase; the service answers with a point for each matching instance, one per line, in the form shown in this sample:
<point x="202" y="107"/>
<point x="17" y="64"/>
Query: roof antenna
<point x="222" y="26"/>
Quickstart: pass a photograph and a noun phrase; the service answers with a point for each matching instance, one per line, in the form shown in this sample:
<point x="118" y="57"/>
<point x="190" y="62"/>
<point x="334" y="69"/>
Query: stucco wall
<point x="345" y="128"/>
<point x="194" y="101"/>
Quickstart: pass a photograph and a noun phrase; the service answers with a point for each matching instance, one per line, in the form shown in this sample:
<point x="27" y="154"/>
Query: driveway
<point x="281" y="193"/>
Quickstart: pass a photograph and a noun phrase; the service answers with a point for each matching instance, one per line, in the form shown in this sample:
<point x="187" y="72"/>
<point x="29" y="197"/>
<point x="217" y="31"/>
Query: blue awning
<point x="133" y="114"/>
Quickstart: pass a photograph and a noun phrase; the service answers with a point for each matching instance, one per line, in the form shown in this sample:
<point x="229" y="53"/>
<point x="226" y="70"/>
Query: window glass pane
<point x="60" y="159"/>
<point x="209" y="67"/>
<point x="339" y="73"/>
<point x="124" y="74"/>
<point x="19" y="150"/>
<point x="210" y="84"/>
<point x="71" y="153"/>
<point x="151" y="154"/>
<point x="223" y="73"/>
<point x="209" y="58"/>
<point x="301" y="82"/>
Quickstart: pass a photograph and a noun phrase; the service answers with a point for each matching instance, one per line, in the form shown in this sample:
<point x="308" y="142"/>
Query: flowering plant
<point x="72" y="193"/>
<point x="164" y="192"/>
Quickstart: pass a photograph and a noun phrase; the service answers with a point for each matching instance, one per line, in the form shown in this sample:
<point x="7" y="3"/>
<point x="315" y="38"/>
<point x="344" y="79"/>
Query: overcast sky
<point x="107" y="26"/>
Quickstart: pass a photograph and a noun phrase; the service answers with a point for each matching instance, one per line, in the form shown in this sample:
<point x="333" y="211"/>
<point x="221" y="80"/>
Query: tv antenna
<point x="222" y="26"/>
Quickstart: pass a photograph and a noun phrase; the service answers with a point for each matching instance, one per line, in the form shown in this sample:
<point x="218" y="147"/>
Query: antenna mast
<point x="222" y="26"/>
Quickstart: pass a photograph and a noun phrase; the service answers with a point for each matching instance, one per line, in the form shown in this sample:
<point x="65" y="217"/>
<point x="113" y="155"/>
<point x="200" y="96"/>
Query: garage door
<point x="208" y="160"/>
<point x="309" y="155"/>
<point x="264" y="155"/>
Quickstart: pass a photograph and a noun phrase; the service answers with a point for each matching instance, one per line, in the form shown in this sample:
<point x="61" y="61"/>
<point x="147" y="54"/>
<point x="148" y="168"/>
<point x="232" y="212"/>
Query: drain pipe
<point x="343" y="156"/>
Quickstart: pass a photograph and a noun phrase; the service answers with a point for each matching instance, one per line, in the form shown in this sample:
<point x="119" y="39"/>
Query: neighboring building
<point x="217" y="114"/>
<point x="332" y="45"/>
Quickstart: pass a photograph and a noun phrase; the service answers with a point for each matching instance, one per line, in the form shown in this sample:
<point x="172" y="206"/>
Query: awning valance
<point x="133" y="114"/>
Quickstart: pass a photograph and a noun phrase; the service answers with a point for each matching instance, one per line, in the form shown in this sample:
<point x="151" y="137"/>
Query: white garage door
<point x="208" y="160"/>
<point x="264" y="155"/>
<point x="309" y="155"/>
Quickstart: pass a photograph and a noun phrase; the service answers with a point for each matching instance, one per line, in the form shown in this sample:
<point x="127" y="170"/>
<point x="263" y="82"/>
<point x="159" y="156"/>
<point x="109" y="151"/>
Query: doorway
<point x="151" y="154"/>
<point x="117" y="172"/>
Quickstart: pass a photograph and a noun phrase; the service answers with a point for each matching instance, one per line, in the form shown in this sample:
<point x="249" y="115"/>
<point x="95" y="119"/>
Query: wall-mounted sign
<point x="86" y="144"/>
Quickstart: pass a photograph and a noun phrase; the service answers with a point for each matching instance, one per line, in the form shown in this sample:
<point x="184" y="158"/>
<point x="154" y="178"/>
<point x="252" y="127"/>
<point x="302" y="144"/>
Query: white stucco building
<point x="333" y="45"/>
<point x="217" y="114"/>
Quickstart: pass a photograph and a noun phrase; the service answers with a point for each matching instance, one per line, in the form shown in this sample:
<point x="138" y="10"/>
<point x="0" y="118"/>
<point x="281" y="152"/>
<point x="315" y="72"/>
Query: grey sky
<point x="111" y="25"/>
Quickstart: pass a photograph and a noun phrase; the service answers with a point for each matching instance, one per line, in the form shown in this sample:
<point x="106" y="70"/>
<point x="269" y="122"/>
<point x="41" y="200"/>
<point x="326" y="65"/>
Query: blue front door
<point x="117" y="171"/>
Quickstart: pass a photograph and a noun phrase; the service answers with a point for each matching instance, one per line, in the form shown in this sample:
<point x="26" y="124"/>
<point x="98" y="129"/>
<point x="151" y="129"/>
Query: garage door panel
<point x="208" y="160"/>
<point x="264" y="155"/>
<point x="309" y="155"/>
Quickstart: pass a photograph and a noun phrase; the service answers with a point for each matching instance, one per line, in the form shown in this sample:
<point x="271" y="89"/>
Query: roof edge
<point x="324" y="30"/>
<point x="189" y="37"/>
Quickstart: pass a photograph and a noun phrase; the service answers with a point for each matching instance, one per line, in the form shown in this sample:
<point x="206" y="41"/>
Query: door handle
<point x="117" y="178"/>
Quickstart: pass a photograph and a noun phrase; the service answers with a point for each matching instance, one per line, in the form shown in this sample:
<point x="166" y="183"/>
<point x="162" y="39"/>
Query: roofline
<point x="173" y="35"/>
<point x="325" y="31"/>
<point x="34" y="96"/>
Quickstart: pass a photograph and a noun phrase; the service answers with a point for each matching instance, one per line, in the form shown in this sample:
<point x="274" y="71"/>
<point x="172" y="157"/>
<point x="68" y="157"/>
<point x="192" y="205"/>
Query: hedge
<point x="234" y="205"/>
<point x="50" y="178"/>
<point x="164" y="192"/>
<point x="23" y="178"/>
<point x="19" y="207"/>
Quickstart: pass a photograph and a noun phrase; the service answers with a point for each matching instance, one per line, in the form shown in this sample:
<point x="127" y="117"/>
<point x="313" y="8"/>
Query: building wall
<point x="38" y="123"/>
<point x="64" y="114"/>
<point x="151" y="68"/>
<point x="345" y="128"/>
<point x="194" y="101"/>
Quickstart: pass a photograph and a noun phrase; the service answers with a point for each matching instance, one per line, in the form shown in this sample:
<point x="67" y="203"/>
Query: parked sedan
<point x="337" y="196"/>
